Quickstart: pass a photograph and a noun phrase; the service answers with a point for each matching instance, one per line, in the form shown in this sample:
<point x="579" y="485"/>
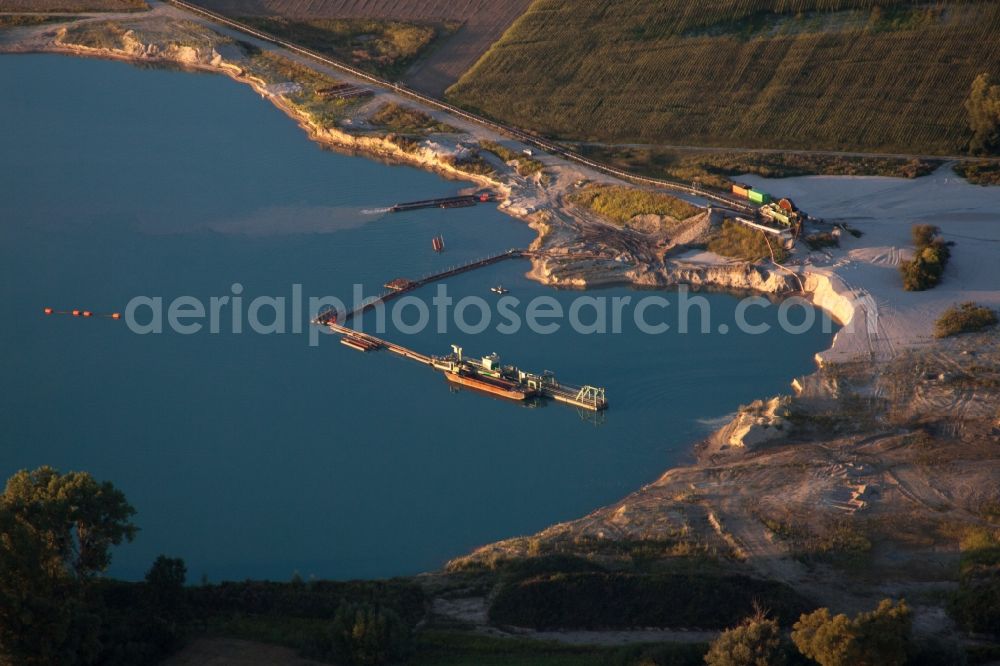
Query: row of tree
<point x="983" y="106"/>
<point x="877" y="638"/>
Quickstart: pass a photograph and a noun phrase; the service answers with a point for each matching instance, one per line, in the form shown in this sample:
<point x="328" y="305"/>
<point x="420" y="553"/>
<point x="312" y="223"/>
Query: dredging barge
<point x="485" y="374"/>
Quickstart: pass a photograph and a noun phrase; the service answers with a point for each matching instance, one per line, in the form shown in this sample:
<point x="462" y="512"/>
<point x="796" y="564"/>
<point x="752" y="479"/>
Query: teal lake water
<point x="257" y="456"/>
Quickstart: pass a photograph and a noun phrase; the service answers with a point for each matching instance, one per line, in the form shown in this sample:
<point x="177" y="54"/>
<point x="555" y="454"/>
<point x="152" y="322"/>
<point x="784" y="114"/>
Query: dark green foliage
<point x="982" y="653"/>
<point x="983" y="106"/>
<point x="878" y="638"/>
<point x="964" y="318"/>
<point x="976" y="605"/>
<point x="718" y="169"/>
<point x="472" y="163"/>
<point x="368" y="635"/>
<point x="166" y="577"/>
<point x="76" y="518"/>
<point x="166" y="598"/>
<point x="21" y="20"/>
<point x="403" y="142"/>
<point x="450" y="648"/>
<point x="318" y="599"/>
<point x="933" y="651"/>
<point x="500" y="150"/>
<point x="56" y="532"/>
<point x="385" y="48"/>
<point x="530" y="567"/>
<point x="141" y="623"/>
<point x="979" y="172"/>
<point x="665" y="654"/>
<point x="757" y="641"/>
<point x="924" y="271"/>
<point x="619" y="600"/>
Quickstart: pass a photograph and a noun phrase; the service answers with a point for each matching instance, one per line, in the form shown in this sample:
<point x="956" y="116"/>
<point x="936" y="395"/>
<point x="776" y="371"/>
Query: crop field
<point x="805" y="74"/>
<point x="72" y="5"/>
<point x="481" y="23"/>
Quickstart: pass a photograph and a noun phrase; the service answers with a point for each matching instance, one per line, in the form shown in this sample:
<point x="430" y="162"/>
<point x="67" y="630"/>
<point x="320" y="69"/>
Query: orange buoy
<point x="47" y="311"/>
<point x="87" y="313"/>
<point x="116" y="315"/>
<point x="76" y="313"/>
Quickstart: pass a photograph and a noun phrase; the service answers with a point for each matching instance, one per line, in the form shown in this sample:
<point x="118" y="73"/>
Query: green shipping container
<point x="759" y="197"/>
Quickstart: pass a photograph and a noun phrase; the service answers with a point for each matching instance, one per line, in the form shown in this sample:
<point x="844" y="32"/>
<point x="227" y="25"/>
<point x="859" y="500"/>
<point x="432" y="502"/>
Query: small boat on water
<point x="438" y="243"/>
<point x="499" y="289"/>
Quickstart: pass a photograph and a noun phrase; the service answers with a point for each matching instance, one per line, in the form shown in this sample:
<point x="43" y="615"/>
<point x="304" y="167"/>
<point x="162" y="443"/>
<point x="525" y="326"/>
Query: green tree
<point x="876" y="638"/>
<point x="927" y="266"/>
<point x="56" y="531"/>
<point x="755" y="642"/>
<point x="366" y="635"/>
<point x="924" y="234"/>
<point x="167" y="573"/>
<point x="165" y="580"/>
<point x="983" y="105"/>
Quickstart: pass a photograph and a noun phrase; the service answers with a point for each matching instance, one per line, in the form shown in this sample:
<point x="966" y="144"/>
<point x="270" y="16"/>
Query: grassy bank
<point x="23" y="20"/>
<point x="736" y="241"/>
<point x="524" y="164"/>
<point x="979" y="173"/>
<point x="399" y="118"/>
<point x="270" y="67"/>
<point x="717" y="169"/>
<point x="621" y="204"/>
<point x="810" y="74"/>
<point x="73" y="5"/>
<point x="386" y="48"/>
